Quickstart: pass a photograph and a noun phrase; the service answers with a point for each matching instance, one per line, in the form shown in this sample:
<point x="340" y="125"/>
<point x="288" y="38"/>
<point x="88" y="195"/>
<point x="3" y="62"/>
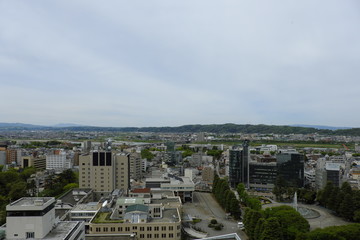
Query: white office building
<point x="34" y="218"/>
<point x="58" y="162"/>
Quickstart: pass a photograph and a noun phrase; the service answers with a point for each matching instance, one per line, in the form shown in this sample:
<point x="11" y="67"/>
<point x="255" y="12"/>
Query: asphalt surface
<point x="205" y="207"/>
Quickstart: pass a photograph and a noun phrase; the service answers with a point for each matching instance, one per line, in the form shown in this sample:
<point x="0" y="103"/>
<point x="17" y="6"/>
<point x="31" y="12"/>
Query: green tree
<point x="326" y="194"/>
<point x="235" y="208"/>
<point x="69" y="186"/>
<point x="272" y="230"/>
<point x="17" y="190"/>
<point x="280" y="188"/>
<point x="145" y="153"/>
<point x="259" y="228"/>
<point x="332" y="202"/>
<point x="250" y="229"/>
<point x="346" y="208"/>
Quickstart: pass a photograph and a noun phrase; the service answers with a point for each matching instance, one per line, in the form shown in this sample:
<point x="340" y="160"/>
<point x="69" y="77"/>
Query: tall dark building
<point x="262" y="175"/>
<point x="291" y="168"/>
<point x="239" y="166"/>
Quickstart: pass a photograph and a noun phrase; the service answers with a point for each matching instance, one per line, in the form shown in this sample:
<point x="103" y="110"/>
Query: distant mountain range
<point x="214" y="128"/>
<point x="320" y="127"/>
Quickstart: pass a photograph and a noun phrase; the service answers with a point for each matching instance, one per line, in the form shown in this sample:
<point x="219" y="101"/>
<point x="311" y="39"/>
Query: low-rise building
<point x="133" y="218"/>
<point x="34" y="218"/>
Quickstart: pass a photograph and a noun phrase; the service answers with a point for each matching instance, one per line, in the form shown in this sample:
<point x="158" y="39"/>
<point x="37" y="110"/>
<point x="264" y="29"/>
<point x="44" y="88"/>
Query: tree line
<point x="344" y="201"/>
<point x="226" y="197"/>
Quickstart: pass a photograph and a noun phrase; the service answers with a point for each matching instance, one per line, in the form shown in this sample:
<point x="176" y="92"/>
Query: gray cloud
<point x="155" y="63"/>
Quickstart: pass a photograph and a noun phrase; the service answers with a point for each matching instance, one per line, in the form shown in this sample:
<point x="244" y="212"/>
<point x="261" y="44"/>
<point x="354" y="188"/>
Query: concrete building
<point x="58" y="162"/>
<point x="86" y="146"/>
<point x="37" y="162"/>
<point x="84" y="212"/>
<point x="181" y="186"/>
<point x="2" y="157"/>
<point x="208" y="174"/>
<point x="333" y="173"/>
<point x="11" y="156"/>
<point x="135" y="166"/>
<point x="34" y="218"/>
<point x="104" y="171"/>
<point x="133" y="218"/>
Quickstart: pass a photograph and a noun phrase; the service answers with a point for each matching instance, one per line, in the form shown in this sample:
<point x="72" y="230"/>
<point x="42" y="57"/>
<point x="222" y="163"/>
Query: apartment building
<point x="58" y="162"/>
<point x="135" y="166"/>
<point x="104" y="171"/>
<point x="11" y="156"/>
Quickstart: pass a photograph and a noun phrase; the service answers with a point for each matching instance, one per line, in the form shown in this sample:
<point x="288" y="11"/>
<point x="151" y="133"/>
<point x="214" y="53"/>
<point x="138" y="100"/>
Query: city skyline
<point x="160" y="63"/>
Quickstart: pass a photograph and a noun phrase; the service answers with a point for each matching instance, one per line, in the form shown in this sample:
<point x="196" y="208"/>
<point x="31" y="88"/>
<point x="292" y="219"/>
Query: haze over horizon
<point x="162" y="63"/>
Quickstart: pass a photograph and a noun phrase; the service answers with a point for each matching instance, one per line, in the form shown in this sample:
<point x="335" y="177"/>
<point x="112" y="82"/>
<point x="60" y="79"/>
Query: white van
<point x="241" y="225"/>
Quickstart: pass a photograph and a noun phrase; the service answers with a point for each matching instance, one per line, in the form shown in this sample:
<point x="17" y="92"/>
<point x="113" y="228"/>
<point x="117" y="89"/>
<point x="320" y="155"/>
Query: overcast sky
<point x="170" y="63"/>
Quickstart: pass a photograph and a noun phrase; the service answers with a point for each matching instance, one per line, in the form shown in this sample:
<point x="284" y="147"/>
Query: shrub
<point x="213" y="221"/>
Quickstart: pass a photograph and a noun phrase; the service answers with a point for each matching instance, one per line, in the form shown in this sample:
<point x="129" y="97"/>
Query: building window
<point x="134" y="228"/>
<point x="156" y="228"/>
<point x="163" y="235"/>
<point x="127" y="229"/>
<point x="120" y="229"/>
<point x="148" y="228"/>
<point x="97" y="229"/>
<point x="171" y="235"/>
<point x="163" y="228"/>
<point x="156" y="236"/>
<point x="148" y="236"/>
<point x="171" y="228"/>
<point x="142" y="228"/>
<point x="142" y="235"/>
<point x="105" y="229"/>
<point x="112" y="229"/>
<point x="30" y="235"/>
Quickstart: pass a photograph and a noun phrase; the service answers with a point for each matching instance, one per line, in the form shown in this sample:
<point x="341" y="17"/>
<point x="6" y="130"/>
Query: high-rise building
<point x="86" y="145"/>
<point x="104" y="171"/>
<point x="262" y="175"/>
<point x="333" y="173"/>
<point x="239" y="166"/>
<point x="208" y="173"/>
<point x="2" y="157"/>
<point x="135" y="166"/>
<point x="11" y="156"/>
<point x="291" y="168"/>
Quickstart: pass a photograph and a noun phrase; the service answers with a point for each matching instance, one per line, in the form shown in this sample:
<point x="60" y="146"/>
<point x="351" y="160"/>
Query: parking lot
<point x="205" y="207"/>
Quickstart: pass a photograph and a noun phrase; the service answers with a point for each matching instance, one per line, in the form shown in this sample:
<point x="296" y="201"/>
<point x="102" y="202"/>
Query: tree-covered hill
<point x="211" y="128"/>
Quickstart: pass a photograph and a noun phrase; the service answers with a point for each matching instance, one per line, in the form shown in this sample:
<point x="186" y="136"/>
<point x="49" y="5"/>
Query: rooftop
<point x="30" y="203"/>
<point x="333" y="166"/>
<point x="130" y="201"/>
<point x="63" y="229"/>
<point x="141" y="190"/>
<point x="91" y="206"/>
<point x="137" y="208"/>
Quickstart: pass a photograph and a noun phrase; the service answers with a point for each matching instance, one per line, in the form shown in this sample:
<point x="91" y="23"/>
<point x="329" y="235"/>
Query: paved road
<point x="205" y="207"/>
